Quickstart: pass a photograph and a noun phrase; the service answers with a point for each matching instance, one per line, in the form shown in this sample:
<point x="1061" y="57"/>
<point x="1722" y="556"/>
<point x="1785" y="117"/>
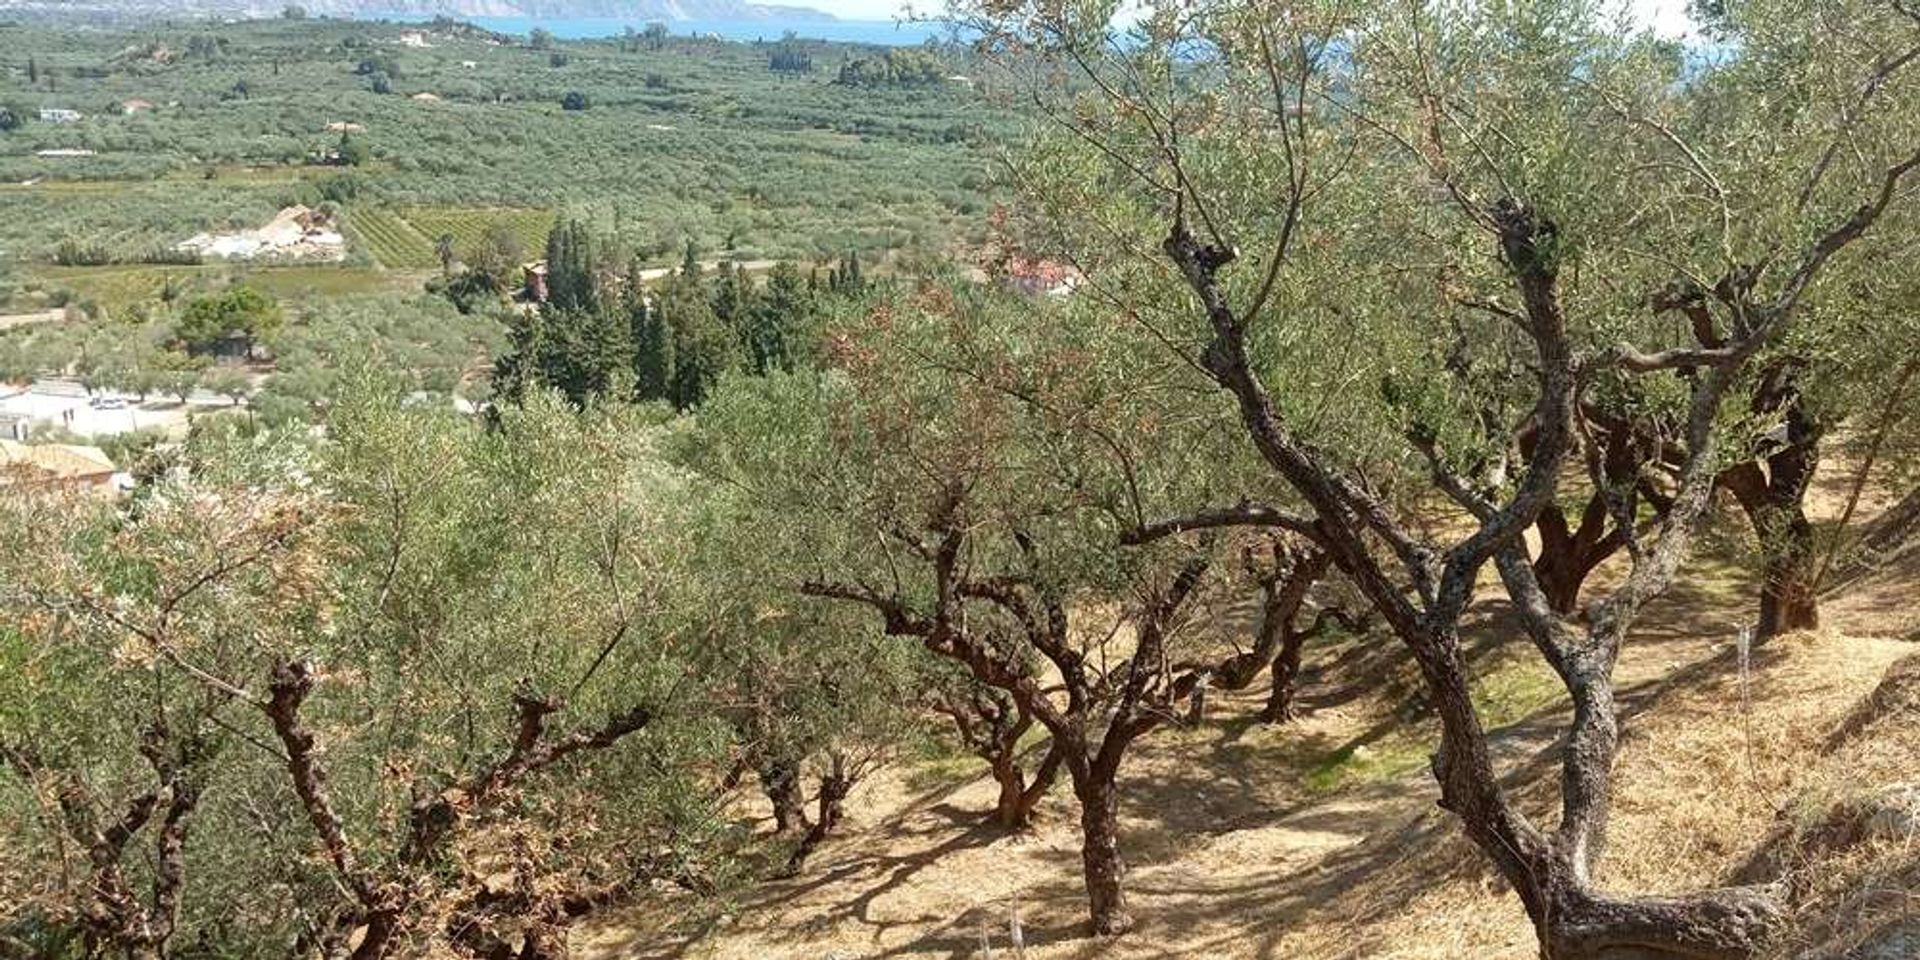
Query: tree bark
<point x="1283" y="593"/>
<point x="1280" y="706"/>
<point x="1774" y="501"/>
<point x="1562" y="568"/>
<point x="1018" y="797"/>
<point x="835" y="784"/>
<point x="1734" y="923"/>
<point x="991" y="723"/>
<point x="1616" y="447"/>
<point x="1787" y="598"/>
<point x="1772" y="491"/>
<point x="780" y="781"/>
<point x="1007" y="810"/>
<point x="1100" y="859"/>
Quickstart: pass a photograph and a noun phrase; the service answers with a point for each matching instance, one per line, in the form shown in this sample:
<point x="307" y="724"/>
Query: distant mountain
<point x="637" y="11"/>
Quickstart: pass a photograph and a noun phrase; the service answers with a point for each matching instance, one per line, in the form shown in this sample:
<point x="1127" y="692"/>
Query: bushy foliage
<point x="241" y="311"/>
<point x="451" y="580"/>
<point x="790" y="56"/>
<point x="895" y="68"/>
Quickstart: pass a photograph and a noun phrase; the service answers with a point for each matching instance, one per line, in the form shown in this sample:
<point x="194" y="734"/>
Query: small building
<point x="536" y="286"/>
<point x="58" y="115"/>
<point x="344" y="126"/>
<point x="15" y="426"/>
<point x="132" y="107"/>
<point x="54" y="466"/>
<point x="426" y="98"/>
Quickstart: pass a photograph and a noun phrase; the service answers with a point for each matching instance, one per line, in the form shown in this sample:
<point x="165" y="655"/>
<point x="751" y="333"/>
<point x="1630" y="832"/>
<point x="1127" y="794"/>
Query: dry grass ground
<point x="1322" y="840"/>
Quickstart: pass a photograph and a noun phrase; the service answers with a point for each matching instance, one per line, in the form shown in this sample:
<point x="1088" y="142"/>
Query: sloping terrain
<point x="1322" y="839"/>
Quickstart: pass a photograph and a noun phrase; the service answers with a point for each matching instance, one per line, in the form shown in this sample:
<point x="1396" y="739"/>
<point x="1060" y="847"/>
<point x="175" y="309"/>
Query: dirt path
<point x="707" y="266"/>
<point x="9" y="321"/>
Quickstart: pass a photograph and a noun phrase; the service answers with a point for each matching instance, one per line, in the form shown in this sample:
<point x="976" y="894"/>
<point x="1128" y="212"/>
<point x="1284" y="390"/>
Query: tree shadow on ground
<point x="1371" y="847"/>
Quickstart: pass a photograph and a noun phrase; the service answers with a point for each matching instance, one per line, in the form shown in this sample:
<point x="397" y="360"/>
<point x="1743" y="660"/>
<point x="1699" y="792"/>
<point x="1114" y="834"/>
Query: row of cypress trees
<point x="599" y="336"/>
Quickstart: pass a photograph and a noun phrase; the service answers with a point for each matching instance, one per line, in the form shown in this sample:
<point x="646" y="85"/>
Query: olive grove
<point x="1385" y="316"/>
<point x="1412" y="242"/>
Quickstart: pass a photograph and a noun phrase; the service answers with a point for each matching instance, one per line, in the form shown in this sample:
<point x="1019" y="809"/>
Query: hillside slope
<point x="1322" y="839"/>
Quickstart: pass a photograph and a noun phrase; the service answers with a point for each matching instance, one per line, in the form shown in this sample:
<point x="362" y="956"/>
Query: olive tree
<point x="963" y="476"/>
<point x="812" y="695"/>
<point x="415" y="685"/>
<point x="117" y="750"/>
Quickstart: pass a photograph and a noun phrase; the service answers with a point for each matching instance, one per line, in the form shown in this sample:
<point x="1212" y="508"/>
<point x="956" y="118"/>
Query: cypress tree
<point x="653" y="361"/>
<point x="690" y="261"/>
<point x="571" y="259"/>
<point x="518" y="370"/>
<point x="703" y="348"/>
<point x="779" y="319"/>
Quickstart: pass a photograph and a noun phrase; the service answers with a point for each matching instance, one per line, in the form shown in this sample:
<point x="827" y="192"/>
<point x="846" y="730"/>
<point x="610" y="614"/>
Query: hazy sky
<point x="1667" y="16"/>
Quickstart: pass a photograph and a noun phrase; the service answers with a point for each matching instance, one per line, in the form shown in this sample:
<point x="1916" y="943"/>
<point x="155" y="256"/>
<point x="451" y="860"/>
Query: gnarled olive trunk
<point x="1564" y="565"/>
<point x="1774" y="501"/>
<point x="1284" y="596"/>
<point x="1570" y="553"/>
<point x="1551" y="872"/>
<point x="1729" y="924"/>
<point x="1019" y="798"/>
<point x="1281" y="707"/>
<point x="780" y="781"/>
<point x="835" y="784"/>
<point x="1788" y="601"/>
<point x="1100" y="861"/>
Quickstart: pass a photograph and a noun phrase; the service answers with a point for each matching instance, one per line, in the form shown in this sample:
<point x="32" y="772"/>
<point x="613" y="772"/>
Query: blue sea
<point x="878" y="32"/>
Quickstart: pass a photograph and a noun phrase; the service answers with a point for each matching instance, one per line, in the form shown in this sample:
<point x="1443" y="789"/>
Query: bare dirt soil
<point x="1321" y="839"/>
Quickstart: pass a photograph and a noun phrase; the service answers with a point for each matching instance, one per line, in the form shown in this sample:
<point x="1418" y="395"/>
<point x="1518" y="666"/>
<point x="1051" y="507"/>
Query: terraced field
<point x="404" y="239"/>
<point x="391" y="240"/>
<point x="530" y="227"/>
